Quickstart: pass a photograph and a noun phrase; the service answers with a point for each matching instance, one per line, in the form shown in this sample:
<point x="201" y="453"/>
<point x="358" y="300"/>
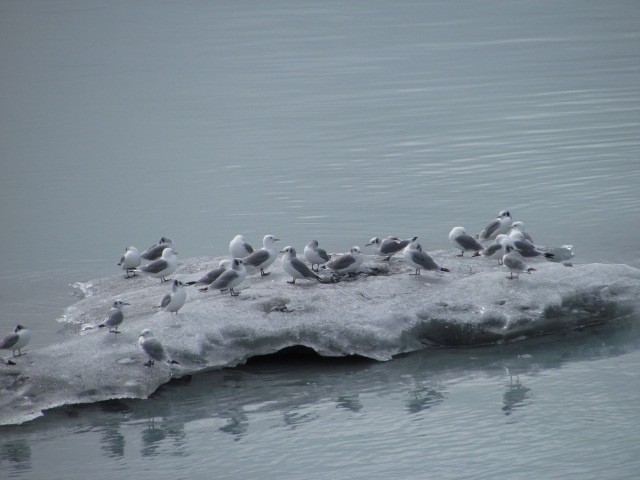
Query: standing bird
<point x="347" y="263"/>
<point x="316" y="255"/>
<point x="239" y="248"/>
<point x="153" y="349"/>
<point x="520" y="227"/>
<point x="212" y="275"/>
<point x="387" y="247"/>
<point x="459" y="238"/>
<point x="163" y="266"/>
<point x="16" y="341"/>
<point x="155" y="251"/>
<point x="230" y="278"/>
<point x="264" y="257"/>
<point x="496" y="249"/>
<point x="420" y="260"/>
<point x="514" y="262"/>
<point x="115" y="316"/>
<point x="130" y="261"/>
<point x="296" y="267"/>
<point x="497" y="226"/>
<point x="174" y="300"/>
<point x="525" y="248"/>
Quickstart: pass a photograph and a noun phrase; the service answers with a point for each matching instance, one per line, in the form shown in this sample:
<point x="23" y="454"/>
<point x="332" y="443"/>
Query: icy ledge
<point x="375" y="316"/>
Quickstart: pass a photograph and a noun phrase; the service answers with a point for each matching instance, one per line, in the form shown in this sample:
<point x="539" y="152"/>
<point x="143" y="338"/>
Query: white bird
<point x="520" y="227"/>
<point x="155" y="251"/>
<point x="420" y="260"/>
<point x="239" y="248"/>
<point x="497" y="226"/>
<point x="525" y="248"/>
<point x="347" y="263"/>
<point x="459" y="238"/>
<point x="230" y="278"/>
<point x="315" y="255"/>
<point x="153" y="349"/>
<point x="496" y="249"/>
<point x="16" y="340"/>
<point x="296" y="267"/>
<point x="514" y="262"/>
<point x="162" y="267"/>
<point x="114" y="317"/>
<point x="212" y="275"/>
<point x="130" y="260"/>
<point x="387" y="247"/>
<point x="174" y="300"/>
<point x="264" y="257"/>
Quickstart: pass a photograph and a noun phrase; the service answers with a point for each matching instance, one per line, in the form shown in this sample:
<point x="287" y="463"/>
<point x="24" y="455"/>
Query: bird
<point x="296" y="267"/>
<point x="114" y="317"/>
<point x="155" y="251"/>
<point x="130" y="260"/>
<point x="459" y="238"/>
<point x="520" y="227"/>
<point x="239" y="248"/>
<point x="161" y="267"/>
<point x="16" y="340"/>
<point x="387" y="247"/>
<point x="315" y="255"/>
<point x="514" y="262"/>
<point x="525" y="248"/>
<point x="174" y="300"/>
<point x="498" y="225"/>
<point x="230" y="278"/>
<point x="153" y="349"/>
<point x="420" y="260"/>
<point x="212" y="275"/>
<point x="347" y="263"/>
<point x="496" y="249"/>
<point x="264" y="257"/>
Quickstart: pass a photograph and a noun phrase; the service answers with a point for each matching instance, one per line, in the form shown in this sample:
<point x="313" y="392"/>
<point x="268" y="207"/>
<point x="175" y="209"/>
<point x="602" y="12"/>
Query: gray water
<point x="340" y="121"/>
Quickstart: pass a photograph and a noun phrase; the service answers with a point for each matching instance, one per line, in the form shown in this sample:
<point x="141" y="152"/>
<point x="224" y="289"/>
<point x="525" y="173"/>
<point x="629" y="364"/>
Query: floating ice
<point x="377" y="316"/>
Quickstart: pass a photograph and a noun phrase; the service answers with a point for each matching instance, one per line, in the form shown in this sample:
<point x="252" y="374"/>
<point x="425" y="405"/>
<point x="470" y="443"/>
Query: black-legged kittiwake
<point x="16" y="340"/>
<point x="498" y="225"/>
<point x="239" y="248"/>
<point x="212" y="275"/>
<point x="315" y="255"/>
<point x="130" y="261"/>
<point x="459" y="238"/>
<point x="514" y="262"/>
<point x="296" y="267"/>
<point x="174" y="300"/>
<point x="387" y="247"/>
<point x="230" y="278"/>
<point x="114" y="317"/>
<point x="155" y="251"/>
<point x="162" y="267"/>
<point x="347" y="263"/>
<point x="153" y="349"/>
<point x="420" y="260"/>
<point x="264" y="257"/>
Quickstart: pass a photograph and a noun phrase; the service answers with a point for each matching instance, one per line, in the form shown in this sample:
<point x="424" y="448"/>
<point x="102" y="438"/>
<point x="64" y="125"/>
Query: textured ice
<point x="378" y="316"/>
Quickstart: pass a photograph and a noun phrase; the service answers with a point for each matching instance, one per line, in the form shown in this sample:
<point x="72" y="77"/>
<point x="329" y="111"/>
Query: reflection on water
<point x="516" y="396"/>
<point x="17" y="453"/>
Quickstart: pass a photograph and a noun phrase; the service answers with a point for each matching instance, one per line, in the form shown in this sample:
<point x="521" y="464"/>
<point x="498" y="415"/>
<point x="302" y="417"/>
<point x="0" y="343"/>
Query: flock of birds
<point x="502" y="239"/>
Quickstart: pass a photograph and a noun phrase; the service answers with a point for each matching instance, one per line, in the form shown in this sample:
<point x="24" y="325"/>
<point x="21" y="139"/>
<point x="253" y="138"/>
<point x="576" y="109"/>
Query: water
<point x="124" y="122"/>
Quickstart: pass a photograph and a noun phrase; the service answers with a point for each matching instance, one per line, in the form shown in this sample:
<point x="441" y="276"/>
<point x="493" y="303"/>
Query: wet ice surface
<point x="379" y="314"/>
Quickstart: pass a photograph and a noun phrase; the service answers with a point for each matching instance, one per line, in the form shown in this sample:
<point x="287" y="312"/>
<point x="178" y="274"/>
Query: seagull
<point x="497" y="226"/>
<point x="153" y="348"/>
<point x="414" y="256"/>
<point x="239" y="248"/>
<point x="296" y="267"/>
<point x="387" y="247"/>
<point x="155" y="251"/>
<point x="514" y="262"/>
<point x="115" y="316"/>
<point x="264" y="257"/>
<point x="130" y="260"/>
<point x="212" y="275"/>
<point x="347" y="263"/>
<point x="230" y="278"/>
<point x="16" y="341"/>
<point x="174" y="300"/>
<point x="459" y="238"/>
<point x="315" y="255"/>
<point x="496" y="249"/>
<point x="525" y="248"/>
<point x="520" y="227"/>
<point x="161" y="267"/>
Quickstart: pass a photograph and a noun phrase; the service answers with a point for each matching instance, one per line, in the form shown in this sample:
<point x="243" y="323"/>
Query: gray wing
<point x="469" y="243"/>
<point x="302" y="268"/>
<point x="165" y="300"/>
<point x="154" y="349"/>
<point x="424" y="260"/>
<point x="156" y="266"/>
<point x="9" y="341"/>
<point x="526" y="249"/>
<point x="342" y="262"/>
<point x="514" y="262"/>
<point x="389" y="246"/>
<point x="211" y="276"/>
<point x="491" y="249"/>
<point x="121" y="260"/>
<point x="489" y="229"/>
<point x="153" y="252"/>
<point x="322" y="253"/>
<point x="114" y="318"/>
<point x="256" y="258"/>
<point x="222" y="282"/>
<point x="248" y="247"/>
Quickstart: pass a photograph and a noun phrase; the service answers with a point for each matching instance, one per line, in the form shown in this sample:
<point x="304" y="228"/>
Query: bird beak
<point x="276" y="239"/>
<point x="366" y="245"/>
<point x="125" y="303"/>
<point x="281" y="251"/>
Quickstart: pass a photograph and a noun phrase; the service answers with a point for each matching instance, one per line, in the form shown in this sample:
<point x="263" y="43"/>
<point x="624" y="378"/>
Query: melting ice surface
<point x="378" y="315"/>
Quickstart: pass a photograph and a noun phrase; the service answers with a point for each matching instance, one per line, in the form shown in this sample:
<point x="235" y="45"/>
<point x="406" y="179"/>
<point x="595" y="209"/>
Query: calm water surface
<point x="340" y="121"/>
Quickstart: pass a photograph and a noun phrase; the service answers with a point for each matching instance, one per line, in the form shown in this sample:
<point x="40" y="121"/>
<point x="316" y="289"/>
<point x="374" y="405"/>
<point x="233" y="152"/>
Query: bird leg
<point x="263" y="273"/>
<point x="292" y="281"/>
<point x="149" y="363"/>
<point x="233" y="293"/>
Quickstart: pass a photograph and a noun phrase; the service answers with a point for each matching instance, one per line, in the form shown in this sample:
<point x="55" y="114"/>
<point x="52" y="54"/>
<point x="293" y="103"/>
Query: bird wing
<point x="114" y="318"/>
<point x="256" y="258"/>
<point x="156" y="266"/>
<point x="342" y="262"/>
<point x="469" y="243"/>
<point x="322" y="253"/>
<point x="165" y="300"/>
<point x="389" y="246"/>
<point x="424" y="260"/>
<point x="9" y="341"/>
<point x="491" y="249"/>
<point x="211" y="276"/>
<point x="154" y="349"/>
<point x="302" y="268"/>
<point x="489" y="229"/>
<point x="222" y="282"/>
<point x="248" y="247"/>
